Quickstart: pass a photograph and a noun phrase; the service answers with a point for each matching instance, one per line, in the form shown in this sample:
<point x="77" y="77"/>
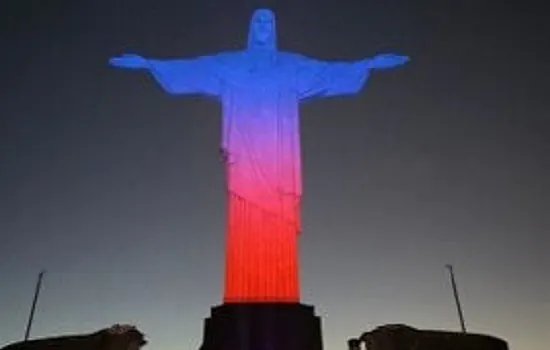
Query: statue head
<point x="262" y="32"/>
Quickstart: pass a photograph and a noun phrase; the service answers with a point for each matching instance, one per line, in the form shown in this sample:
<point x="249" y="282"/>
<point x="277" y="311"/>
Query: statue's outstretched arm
<point x="177" y="76"/>
<point x="319" y="79"/>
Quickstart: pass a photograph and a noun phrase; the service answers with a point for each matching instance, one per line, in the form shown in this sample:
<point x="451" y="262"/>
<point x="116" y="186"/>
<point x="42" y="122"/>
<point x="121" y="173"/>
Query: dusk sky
<point x="116" y="188"/>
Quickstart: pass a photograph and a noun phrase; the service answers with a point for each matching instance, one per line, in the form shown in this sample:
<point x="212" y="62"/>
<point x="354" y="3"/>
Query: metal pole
<point x="34" y="302"/>
<point x="457" y="300"/>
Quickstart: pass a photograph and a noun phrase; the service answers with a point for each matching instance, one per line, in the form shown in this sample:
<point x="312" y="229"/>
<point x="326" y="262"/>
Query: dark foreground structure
<point x="117" y="337"/>
<point x="402" y="337"/>
<point x="269" y="326"/>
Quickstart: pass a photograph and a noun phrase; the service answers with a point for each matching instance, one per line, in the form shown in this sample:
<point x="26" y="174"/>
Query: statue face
<point x="262" y="27"/>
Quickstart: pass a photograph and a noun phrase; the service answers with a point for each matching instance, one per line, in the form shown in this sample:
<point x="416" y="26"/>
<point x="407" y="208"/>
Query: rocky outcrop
<point x="403" y="337"/>
<point x="117" y="337"/>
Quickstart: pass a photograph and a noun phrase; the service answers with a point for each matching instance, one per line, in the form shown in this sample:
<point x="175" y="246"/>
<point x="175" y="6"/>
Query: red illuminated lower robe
<point x="261" y="144"/>
<point x="264" y="191"/>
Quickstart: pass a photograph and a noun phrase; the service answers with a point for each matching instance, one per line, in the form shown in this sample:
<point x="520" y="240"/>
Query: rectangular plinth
<point x="262" y="326"/>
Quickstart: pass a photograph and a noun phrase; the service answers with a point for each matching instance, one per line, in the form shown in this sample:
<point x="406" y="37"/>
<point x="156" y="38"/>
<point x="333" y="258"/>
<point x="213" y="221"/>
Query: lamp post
<point x="457" y="300"/>
<point x="34" y="302"/>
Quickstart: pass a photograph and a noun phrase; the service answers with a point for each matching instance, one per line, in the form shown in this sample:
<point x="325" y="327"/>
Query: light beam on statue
<point x="260" y="88"/>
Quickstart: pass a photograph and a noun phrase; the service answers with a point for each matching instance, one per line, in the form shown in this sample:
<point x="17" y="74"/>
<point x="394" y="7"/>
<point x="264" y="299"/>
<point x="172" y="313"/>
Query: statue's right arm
<point x="198" y="75"/>
<point x="129" y="61"/>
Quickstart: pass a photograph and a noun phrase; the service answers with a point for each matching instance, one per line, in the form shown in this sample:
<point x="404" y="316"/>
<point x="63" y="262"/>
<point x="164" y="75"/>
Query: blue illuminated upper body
<point x="260" y="89"/>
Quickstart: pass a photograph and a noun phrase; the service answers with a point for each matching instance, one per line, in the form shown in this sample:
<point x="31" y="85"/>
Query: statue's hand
<point x="387" y="61"/>
<point x="129" y="61"/>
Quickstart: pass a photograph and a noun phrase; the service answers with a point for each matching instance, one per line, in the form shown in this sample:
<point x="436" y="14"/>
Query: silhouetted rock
<point x="117" y="337"/>
<point x="403" y="337"/>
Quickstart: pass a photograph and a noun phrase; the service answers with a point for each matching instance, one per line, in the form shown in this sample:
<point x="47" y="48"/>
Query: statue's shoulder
<point x="294" y="60"/>
<point x="228" y="57"/>
<point x="291" y="57"/>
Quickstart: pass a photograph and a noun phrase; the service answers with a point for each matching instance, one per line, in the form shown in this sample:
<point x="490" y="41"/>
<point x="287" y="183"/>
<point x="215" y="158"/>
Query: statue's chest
<point x="252" y="78"/>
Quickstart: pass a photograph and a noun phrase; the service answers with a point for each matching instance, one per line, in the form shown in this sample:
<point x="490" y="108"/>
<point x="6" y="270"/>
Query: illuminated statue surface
<point x="260" y="89"/>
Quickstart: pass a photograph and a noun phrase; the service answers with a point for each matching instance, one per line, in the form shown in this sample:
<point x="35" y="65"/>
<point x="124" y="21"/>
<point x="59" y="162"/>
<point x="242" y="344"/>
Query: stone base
<point x="262" y="326"/>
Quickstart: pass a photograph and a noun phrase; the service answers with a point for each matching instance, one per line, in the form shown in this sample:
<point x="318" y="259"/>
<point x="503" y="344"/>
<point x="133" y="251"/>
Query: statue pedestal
<point x="262" y="326"/>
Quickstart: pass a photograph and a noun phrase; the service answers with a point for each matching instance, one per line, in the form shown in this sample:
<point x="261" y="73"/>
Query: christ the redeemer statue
<point x="260" y="88"/>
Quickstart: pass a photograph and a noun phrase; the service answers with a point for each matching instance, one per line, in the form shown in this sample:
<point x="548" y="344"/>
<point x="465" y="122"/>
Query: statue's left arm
<point x="318" y="79"/>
